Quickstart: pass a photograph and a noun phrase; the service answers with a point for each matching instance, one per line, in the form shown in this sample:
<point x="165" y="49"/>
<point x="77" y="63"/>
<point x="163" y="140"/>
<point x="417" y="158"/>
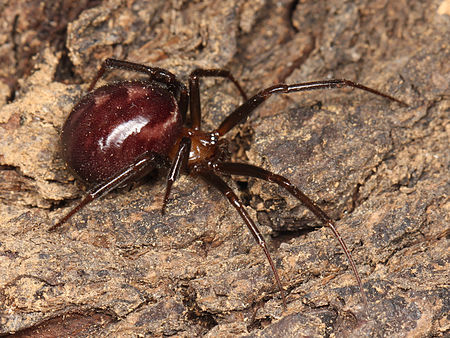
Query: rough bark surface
<point x="120" y="268"/>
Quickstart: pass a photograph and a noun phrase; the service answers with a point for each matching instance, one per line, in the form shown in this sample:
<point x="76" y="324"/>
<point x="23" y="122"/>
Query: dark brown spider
<point x="120" y="132"/>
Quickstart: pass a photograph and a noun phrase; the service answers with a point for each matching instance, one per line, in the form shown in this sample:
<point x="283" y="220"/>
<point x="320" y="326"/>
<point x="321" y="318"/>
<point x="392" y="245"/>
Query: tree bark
<point x="120" y="268"/>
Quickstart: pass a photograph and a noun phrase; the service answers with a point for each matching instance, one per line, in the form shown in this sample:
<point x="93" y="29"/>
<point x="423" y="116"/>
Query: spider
<point x="120" y="132"/>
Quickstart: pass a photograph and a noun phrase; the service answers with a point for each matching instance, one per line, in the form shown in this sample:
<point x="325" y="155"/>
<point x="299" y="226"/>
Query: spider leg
<point x="154" y="73"/>
<point x="253" y="171"/>
<point x="139" y="168"/>
<point x="180" y="161"/>
<point x="194" y="98"/>
<point x="241" y="113"/>
<point x="212" y="179"/>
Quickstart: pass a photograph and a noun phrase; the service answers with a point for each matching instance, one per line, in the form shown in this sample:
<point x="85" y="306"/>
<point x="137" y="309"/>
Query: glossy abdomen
<point x="115" y="124"/>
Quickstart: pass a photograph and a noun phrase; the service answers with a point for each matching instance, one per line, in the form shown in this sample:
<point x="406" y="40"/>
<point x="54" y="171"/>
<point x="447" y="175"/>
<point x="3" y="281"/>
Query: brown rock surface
<point x="119" y="268"/>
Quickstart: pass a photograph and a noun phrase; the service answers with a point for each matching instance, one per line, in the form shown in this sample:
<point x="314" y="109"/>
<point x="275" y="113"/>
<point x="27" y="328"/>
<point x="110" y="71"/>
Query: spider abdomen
<point x="115" y="124"/>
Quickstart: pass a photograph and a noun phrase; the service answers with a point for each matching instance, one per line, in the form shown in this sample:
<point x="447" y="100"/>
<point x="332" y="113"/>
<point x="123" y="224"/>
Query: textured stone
<point x="120" y="268"/>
